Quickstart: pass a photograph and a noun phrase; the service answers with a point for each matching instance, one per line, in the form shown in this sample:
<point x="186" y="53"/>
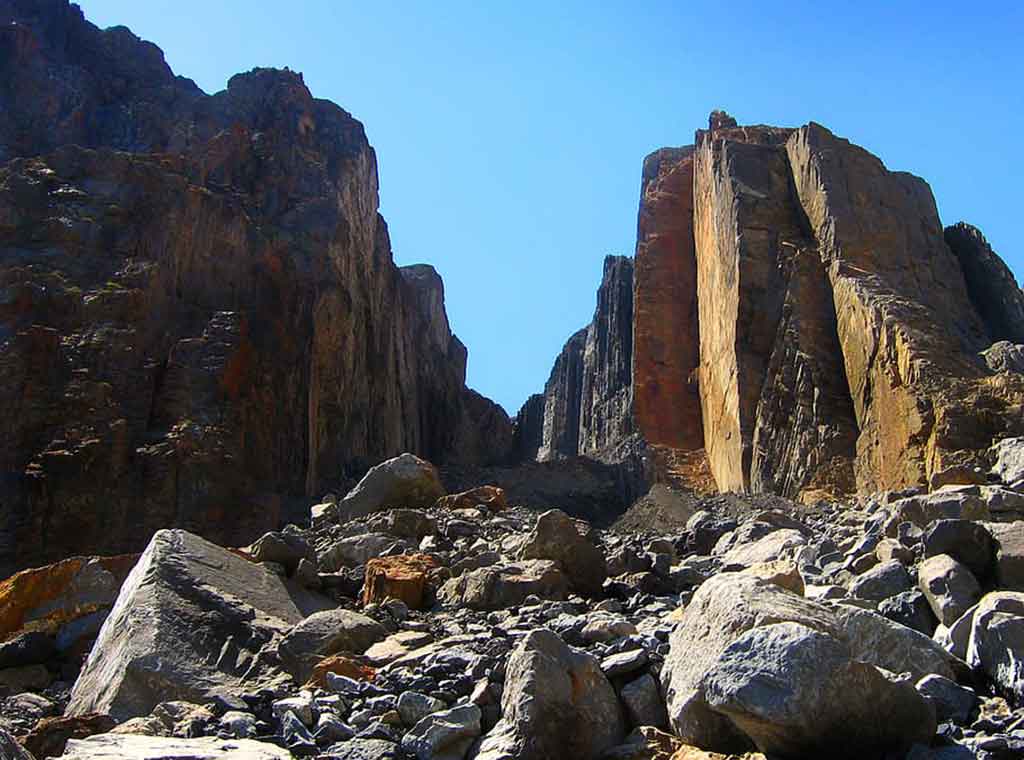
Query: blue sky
<point x="510" y="136"/>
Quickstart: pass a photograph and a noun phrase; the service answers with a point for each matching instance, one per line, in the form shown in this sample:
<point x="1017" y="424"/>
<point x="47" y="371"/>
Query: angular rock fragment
<point x="405" y="481"/>
<point x="556" y="704"/>
<point x="188" y="622"/>
<point x="556" y="537"/>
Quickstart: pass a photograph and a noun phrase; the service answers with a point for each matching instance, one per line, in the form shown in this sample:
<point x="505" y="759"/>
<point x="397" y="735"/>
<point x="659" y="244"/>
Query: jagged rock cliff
<point x="200" y="319"/>
<point x="588" y="399"/>
<point x="804" y="326"/>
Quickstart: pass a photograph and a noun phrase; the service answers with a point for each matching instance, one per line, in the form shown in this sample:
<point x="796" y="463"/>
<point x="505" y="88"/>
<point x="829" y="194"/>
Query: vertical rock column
<point x="666" y="343"/>
<point x="906" y="327"/>
<point x="606" y="400"/>
<point x="777" y="411"/>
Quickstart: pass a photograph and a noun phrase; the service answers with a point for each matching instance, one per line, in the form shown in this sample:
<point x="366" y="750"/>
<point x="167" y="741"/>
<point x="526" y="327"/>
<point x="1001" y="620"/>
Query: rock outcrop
<point x="588" y="399"/>
<point x="667" y="349"/>
<point x="803" y="325"/>
<point x="200" y="320"/>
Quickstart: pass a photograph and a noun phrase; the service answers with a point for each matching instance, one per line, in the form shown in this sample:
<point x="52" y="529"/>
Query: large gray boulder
<point x="728" y="606"/>
<point x="188" y="623"/>
<point x="1009" y="539"/>
<point x="405" y="481"/>
<point x="892" y="646"/>
<point x="744" y="552"/>
<point x="882" y="581"/>
<point x="798" y="692"/>
<point x="950" y="588"/>
<point x="133" y="747"/>
<point x="996" y="645"/>
<point x="556" y="537"/>
<point x="326" y="633"/>
<point x="556" y="704"/>
<point x="503" y="586"/>
<point x="968" y="542"/>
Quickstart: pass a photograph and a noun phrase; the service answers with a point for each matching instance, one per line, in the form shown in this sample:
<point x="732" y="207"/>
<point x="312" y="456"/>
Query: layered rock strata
<point x="200" y="320"/>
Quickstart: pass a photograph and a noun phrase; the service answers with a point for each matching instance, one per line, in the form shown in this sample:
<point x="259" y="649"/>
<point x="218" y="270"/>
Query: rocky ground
<point x="402" y="622"/>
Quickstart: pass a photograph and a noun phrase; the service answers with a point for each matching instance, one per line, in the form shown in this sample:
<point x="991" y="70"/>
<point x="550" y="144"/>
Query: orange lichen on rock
<point x="341" y="665"/>
<point x="489" y="497"/>
<point x="402" y="577"/>
<point x="45" y="598"/>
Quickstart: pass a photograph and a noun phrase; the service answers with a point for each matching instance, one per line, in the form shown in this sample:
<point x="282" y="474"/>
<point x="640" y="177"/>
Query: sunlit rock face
<point x="803" y="325"/>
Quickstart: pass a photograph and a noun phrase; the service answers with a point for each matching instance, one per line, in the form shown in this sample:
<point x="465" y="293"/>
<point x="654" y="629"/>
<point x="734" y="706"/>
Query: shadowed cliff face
<point x="802" y="325"/>
<point x="199" y="315"/>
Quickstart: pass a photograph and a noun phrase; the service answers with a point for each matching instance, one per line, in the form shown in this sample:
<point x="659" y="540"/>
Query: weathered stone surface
<point x="561" y="430"/>
<point x="991" y="286"/>
<point x="10" y="749"/>
<point x="188" y="621"/>
<point x="949" y="586"/>
<point x="908" y="332"/>
<point x="49" y="737"/>
<point x="781" y="572"/>
<point x="1009" y="538"/>
<point x="444" y="735"/>
<point x="405" y="481"/>
<point x="401" y="577"/>
<point x="1008" y="454"/>
<point x="215" y="326"/>
<point x="642" y="699"/>
<point x="325" y="633"/>
<point x="767" y="548"/>
<point x="286" y="549"/>
<point x="502" y="586"/>
<point x="967" y="542"/>
<point x="489" y="497"/>
<point x="996" y="645"/>
<point x="588" y="398"/>
<point x="951" y="701"/>
<point x="728" y="605"/>
<point x="529" y="430"/>
<point x="1003" y="356"/>
<point x="49" y="598"/>
<point x="606" y="394"/>
<point x="838" y="336"/>
<point x="556" y="537"/>
<point x="882" y="581"/>
<point x="766" y="322"/>
<point x="665" y="331"/>
<point x="556" y="704"/>
<point x="130" y="747"/>
<point x="798" y="692"/>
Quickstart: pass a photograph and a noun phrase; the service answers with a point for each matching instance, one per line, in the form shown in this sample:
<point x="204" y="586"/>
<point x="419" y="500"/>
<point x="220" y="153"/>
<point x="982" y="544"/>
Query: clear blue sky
<point x="510" y="136"/>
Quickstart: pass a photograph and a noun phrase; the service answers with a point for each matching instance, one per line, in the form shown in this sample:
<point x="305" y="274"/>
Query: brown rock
<point x="50" y="735"/>
<point x="776" y="411"/>
<point x="401" y="577"/>
<point x="908" y="332"/>
<point x="214" y="326"/>
<point x="491" y="498"/>
<point x="46" y="598"/>
<point x="666" y="340"/>
<point x="341" y="665"/>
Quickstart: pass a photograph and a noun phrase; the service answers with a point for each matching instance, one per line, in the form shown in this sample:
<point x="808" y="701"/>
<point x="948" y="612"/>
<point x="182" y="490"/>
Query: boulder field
<point x="471" y="627"/>
<point x="249" y="508"/>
